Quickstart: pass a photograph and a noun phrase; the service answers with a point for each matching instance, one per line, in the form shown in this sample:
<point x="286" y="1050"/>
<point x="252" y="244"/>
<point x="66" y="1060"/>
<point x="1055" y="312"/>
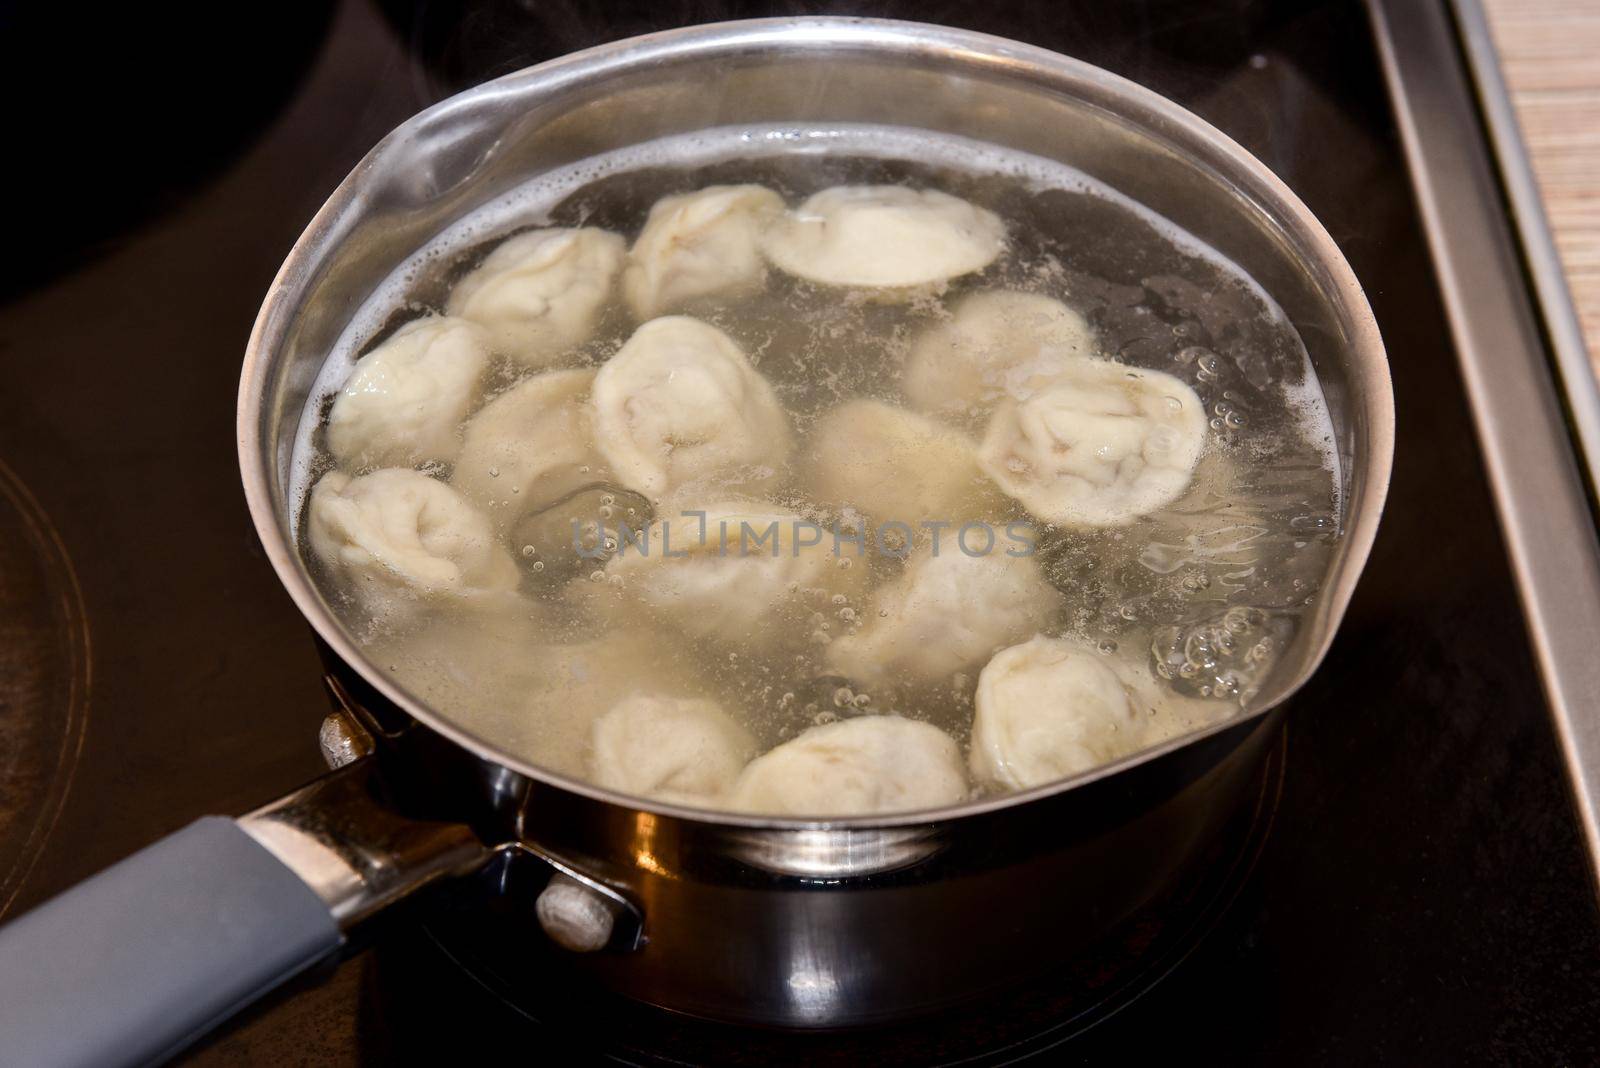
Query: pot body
<point x="853" y="921"/>
<point x="819" y="926"/>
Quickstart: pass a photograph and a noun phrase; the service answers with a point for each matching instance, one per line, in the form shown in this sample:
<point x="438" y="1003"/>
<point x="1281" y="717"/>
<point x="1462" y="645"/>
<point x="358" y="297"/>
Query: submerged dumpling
<point x="996" y="343"/>
<point x="700" y="244"/>
<point x="473" y="663"/>
<point x="404" y="402"/>
<point x="898" y="467"/>
<point x="1100" y="446"/>
<point x="1050" y="708"/>
<point x="401" y="539"/>
<point x="529" y="446"/>
<point x="855" y="767"/>
<point x="945" y="615"/>
<point x="566" y="688"/>
<point x="747" y="574"/>
<point x="884" y="237"/>
<point x="540" y="294"/>
<point x="679" y="404"/>
<point x="674" y="748"/>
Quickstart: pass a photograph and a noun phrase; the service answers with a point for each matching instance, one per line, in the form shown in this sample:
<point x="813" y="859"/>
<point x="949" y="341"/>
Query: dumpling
<point x="679" y="404"/>
<point x="1100" y="446"/>
<point x="898" y="467"/>
<point x="528" y="446"/>
<point x="701" y="244"/>
<point x="747" y="574"/>
<point x="945" y="614"/>
<point x="1054" y="707"/>
<point x="540" y="294"/>
<point x="674" y="748"/>
<point x="1049" y="708"/>
<point x="855" y="767"/>
<point x="884" y="237"/>
<point x="404" y="402"/>
<point x="401" y="539"/>
<point x="996" y="343"/>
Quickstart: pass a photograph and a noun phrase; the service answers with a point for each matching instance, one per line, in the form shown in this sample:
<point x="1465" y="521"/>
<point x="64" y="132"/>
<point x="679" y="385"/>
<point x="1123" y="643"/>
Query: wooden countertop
<point x="1550" y="52"/>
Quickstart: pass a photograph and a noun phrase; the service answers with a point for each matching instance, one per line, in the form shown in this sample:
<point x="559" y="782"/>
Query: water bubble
<point x="1107" y="646"/>
<point x="1224" y="656"/>
<point x="597" y="576"/>
<point x="1315" y="523"/>
<point x="528" y="550"/>
<point x="538" y="565"/>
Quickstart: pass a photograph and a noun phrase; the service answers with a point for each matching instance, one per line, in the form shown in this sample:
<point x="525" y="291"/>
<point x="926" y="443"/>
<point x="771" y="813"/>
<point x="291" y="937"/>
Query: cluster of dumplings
<point x="1007" y="413"/>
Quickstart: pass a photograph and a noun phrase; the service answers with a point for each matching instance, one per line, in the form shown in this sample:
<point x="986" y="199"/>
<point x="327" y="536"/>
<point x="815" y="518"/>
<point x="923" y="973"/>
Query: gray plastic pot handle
<point x="129" y="967"/>
<point x="134" y="964"/>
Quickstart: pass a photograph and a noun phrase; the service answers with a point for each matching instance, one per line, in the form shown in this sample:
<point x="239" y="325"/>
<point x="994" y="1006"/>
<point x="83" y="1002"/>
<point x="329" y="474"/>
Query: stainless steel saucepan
<point x="770" y="921"/>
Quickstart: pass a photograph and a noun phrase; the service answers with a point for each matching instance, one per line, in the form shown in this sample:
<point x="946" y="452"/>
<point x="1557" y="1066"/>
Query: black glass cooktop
<point x="1414" y="891"/>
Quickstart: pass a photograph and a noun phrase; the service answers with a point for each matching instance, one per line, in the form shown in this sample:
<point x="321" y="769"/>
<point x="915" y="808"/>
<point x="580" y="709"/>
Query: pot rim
<point x="1157" y="116"/>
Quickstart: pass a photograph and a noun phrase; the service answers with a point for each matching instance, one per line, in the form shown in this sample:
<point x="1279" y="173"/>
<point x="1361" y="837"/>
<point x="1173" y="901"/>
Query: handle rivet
<point x="574" y="916"/>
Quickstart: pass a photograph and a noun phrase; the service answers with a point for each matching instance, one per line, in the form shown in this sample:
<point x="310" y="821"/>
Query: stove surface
<point x="1422" y="894"/>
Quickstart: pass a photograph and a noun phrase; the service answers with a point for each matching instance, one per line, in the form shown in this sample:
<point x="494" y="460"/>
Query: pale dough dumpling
<point x="401" y="539"/>
<point x="898" y="467"/>
<point x="1049" y="708"/>
<point x="540" y="294"/>
<point x="738" y="572"/>
<point x="996" y="343"/>
<point x="680" y="749"/>
<point x="855" y="767"/>
<point x="404" y="402"/>
<point x="946" y="614"/>
<point x="700" y="244"/>
<point x="884" y="237"/>
<point x="1100" y="446"/>
<point x="679" y="404"/>
<point x="529" y="446"/>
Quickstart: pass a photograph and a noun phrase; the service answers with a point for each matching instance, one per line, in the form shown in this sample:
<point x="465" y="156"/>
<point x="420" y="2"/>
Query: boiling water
<point x="1204" y="593"/>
